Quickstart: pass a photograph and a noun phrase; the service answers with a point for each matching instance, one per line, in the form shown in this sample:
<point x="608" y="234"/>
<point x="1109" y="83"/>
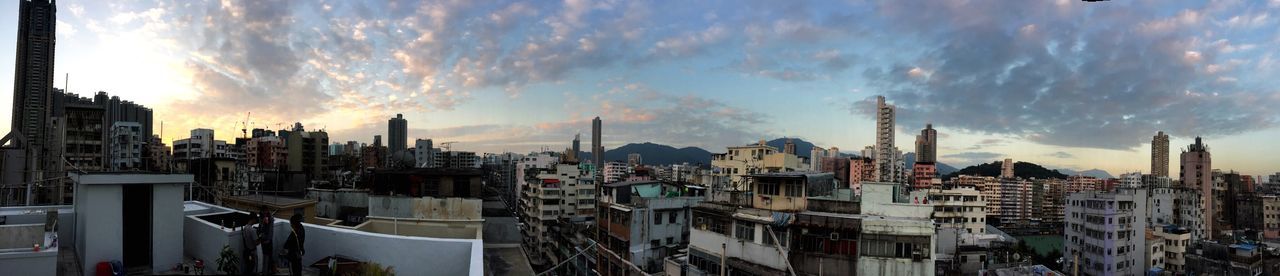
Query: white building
<point x="960" y="207"/>
<point x="199" y="145"/>
<point x="897" y="235"/>
<point x="424" y="153"/>
<point x="615" y="171"/>
<point x="564" y="193"/>
<point x="751" y="159"/>
<point x="1176" y="241"/>
<point x="125" y="146"/>
<point x="1104" y="232"/>
<point x="641" y="223"/>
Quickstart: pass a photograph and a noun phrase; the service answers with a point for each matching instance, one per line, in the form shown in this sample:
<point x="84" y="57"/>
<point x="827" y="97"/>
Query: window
<point x="744" y="230"/>
<point x="671" y="240"/>
<point x="795" y="189"/>
<point x="671" y="216"/>
<point x="657" y="217"/>
<point x="766" y="188"/>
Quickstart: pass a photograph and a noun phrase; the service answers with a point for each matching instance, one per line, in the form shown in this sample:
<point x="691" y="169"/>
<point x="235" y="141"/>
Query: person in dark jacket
<point x="249" y="241"/>
<point x="295" y="246"/>
<point x="267" y="236"/>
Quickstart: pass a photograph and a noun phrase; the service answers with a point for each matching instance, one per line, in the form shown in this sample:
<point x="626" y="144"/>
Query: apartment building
<point x="640" y="223"/>
<point x="1104" y="232"/>
<point x="757" y="158"/>
<point x="555" y="203"/>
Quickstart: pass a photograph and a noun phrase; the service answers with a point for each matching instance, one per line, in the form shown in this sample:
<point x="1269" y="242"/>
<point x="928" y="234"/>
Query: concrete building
<point x="307" y="152"/>
<point x="1196" y="171"/>
<point x="756" y="158"/>
<point x="597" y="149"/>
<point x="1212" y="258"/>
<point x="456" y="159"/>
<point x="1006" y="168"/>
<point x="555" y="203"/>
<point x="266" y="153"/>
<point x="152" y="202"/>
<point x="886" y="154"/>
<point x="615" y="172"/>
<point x="425" y="154"/>
<point x="1176" y="240"/>
<point x="927" y="145"/>
<point x="1153" y="252"/>
<point x="789" y="146"/>
<point x="634" y="159"/>
<point x="1104" y="232"/>
<point x="159" y="156"/>
<point x="1259" y="212"/>
<point x="397" y="134"/>
<point x="33" y="82"/>
<point x="126" y="146"/>
<point x="959" y="207"/>
<point x="1052" y="206"/>
<point x="1015" y="203"/>
<point x="816" y="155"/>
<point x="1160" y="154"/>
<point x="199" y="145"/>
<point x="897" y="235"/>
<point x="925" y="176"/>
<point x="640" y="224"/>
<point x="77" y="134"/>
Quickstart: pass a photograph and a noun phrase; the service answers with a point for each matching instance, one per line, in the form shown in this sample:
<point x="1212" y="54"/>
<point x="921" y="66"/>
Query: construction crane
<point x="447" y="146"/>
<point x="244" y="125"/>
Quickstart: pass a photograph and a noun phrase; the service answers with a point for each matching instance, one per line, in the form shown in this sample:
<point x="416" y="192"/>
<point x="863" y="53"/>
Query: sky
<point x="1065" y="84"/>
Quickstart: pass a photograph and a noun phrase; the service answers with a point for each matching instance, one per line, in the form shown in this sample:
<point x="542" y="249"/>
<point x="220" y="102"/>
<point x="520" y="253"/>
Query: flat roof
<point x="129" y="178"/>
<point x="629" y="183"/>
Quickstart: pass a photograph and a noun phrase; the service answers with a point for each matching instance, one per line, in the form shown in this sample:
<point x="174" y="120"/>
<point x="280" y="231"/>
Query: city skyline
<point x="521" y="76"/>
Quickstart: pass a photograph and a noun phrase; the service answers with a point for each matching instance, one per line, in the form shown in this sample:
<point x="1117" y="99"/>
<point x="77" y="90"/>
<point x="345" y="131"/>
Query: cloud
<point x="971" y="157"/>
<point x="677" y="120"/>
<point x="1064" y="83"/>
<point x="1061" y="154"/>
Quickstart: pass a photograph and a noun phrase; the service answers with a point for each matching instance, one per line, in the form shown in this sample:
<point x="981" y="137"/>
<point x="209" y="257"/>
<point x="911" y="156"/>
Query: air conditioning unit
<point x="835" y="236"/>
<point x="917" y="256"/>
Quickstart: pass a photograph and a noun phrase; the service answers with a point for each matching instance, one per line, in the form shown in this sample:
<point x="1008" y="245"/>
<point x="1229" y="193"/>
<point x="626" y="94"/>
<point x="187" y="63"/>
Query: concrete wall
<point x="35" y="215"/>
<point x="424" y="228"/>
<point x="407" y="255"/>
<point x="204" y="240"/>
<point x="425" y="207"/>
<point x="749" y="251"/>
<point x="21" y="236"/>
<point x="100" y="232"/>
<point x="329" y="202"/>
<point x="165" y="236"/>
<point x="29" y="263"/>
<point x="501" y="230"/>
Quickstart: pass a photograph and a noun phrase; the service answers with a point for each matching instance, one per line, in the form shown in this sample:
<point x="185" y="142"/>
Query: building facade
<point x="1104" y="232"/>
<point x="640" y="224"/>
<point x="1160" y="154"/>
<point x="397" y="134"/>
<point x="1196" y="171"/>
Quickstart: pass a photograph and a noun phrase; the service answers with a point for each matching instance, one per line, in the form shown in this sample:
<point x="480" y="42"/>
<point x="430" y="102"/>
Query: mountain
<point x="1096" y="173"/>
<point x="943" y="169"/>
<point x="656" y="154"/>
<point x="802" y="147"/>
<point x="1020" y="169"/>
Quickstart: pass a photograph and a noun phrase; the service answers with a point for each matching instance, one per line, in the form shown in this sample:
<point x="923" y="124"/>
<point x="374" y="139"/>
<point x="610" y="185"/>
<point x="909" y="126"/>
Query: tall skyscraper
<point x="597" y="150"/>
<point x="927" y="145"/>
<point x="1006" y="168"/>
<point x="888" y="161"/>
<point x="1160" y="154"/>
<point x="1197" y="174"/>
<point x="789" y="147"/>
<point x="377" y="140"/>
<point x="33" y="77"/>
<point x="577" y="147"/>
<point x="397" y="134"/>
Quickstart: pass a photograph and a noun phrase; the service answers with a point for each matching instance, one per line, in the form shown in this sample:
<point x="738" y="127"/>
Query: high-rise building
<point x="634" y="159"/>
<point x="577" y="148"/>
<point x="1105" y="232"/>
<point x="1197" y="174"/>
<point x="789" y="147"/>
<point x="597" y="150"/>
<point x="1160" y="154"/>
<point x="927" y="145"/>
<point x="884" y="149"/>
<point x="126" y="144"/>
<point x="33" y="80"/>
<point x="1006" y="168"/>
<point x="397" y="134"/>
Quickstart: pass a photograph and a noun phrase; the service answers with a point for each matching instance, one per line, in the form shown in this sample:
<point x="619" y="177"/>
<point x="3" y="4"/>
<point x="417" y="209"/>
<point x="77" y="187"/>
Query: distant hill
<point x="1096" y="173"/>
<point x="656" y="154"/>
<point x="943" y="169"/>
<point x="1020" y="169"/>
